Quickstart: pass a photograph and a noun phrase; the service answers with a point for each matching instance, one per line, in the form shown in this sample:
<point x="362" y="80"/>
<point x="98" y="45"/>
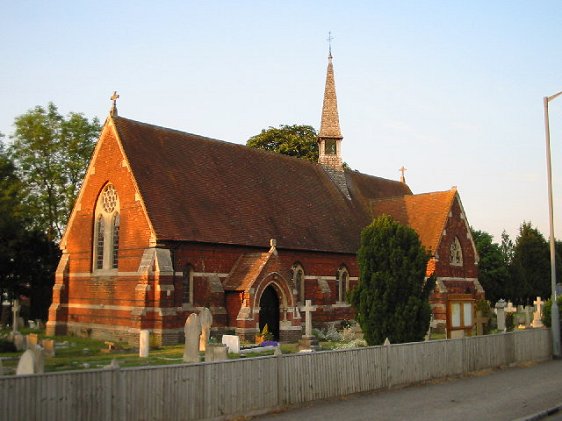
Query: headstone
<point x="510" y="308"/>
<point x="192" y="330"/>
<point x="216" y="352"/>
<point x="15" y="316"/>
<point x="206" y="320"/>
<point x="144" y="343"/>
<point x="32" y="340"/>
<point x="308" y="341"/>
<point x="19" y="341"/>
<point x="537" y="322"/>
<point x="386" y="342"/>
<point x="500" y="306"/>
<point x="232" y="342"/>
<point x="31" y="324"/>
<point x="31" y="362"/>
<point x="527" y="316"/>
<point x="308" y="309"/>
<point x="48" y="347"/>
<point x="481" y="320"/>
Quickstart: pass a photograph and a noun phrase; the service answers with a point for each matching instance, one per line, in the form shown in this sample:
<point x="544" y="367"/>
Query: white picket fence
<point x="214" y="390"/>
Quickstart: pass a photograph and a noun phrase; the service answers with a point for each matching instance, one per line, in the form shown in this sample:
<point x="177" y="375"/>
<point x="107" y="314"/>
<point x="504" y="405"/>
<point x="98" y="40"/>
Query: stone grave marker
<point x="537" y="322"/>
<point x="19" y="341"/>
<point x="31" y="362"/>
<point x="48" y="347"/>
<point x="206" y="320"/>
<point x="31" y="324"/>
<point x="39" y="323"/>
<point x="500" y="306"/>
<point x="386" y="342"/>
<point x="32" y="340"/>
<point x="144" y="343"/>
<point x="15" y="314"/>
<point x="192" y="330"/>
<point x="481" y="320"/>
<point x="510" y="308"/>
<point x="528" y="311"/>
<point x="308" y="341"/>
<point x="232" y="342"/>
<point x="216" y="352"/>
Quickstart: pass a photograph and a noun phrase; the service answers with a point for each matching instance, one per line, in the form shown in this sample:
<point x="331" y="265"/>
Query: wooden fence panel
<point x="212" y="390"/>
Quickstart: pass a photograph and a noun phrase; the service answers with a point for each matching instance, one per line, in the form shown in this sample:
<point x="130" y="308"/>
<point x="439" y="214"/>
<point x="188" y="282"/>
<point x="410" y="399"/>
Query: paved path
<point x="505" y="394"/>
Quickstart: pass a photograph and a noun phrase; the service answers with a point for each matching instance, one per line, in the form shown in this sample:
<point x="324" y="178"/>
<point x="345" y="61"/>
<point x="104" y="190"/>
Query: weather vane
<point x="330" y="38"/>
<point x="114" y="98"/>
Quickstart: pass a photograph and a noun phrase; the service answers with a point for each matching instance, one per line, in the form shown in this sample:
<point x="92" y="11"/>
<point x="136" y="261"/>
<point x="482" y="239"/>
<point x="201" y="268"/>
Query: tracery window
<point x="342" y="280"/>
<point x="456" y="253"/>
<point x="106" y="230"/>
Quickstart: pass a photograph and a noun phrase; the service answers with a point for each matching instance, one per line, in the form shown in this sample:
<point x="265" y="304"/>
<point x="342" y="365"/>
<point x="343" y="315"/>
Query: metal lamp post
<point x="554" y="314"/>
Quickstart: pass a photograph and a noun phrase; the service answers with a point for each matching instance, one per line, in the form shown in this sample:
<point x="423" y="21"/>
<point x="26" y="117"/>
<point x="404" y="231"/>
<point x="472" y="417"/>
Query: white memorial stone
<point x="19" y="341"/>
<point x="537" y="322"/>
<point x="192" y="330"/>
<point x="232" y="342"/>
<point x="144" y="343"/>
<point x="31" y="362"/>
<point x="206" y="320"/>
<point x="528" y="312"/>
<point x="500" y="306"/>
<point x="510" y="308"/>
<point x="15" y="312"/>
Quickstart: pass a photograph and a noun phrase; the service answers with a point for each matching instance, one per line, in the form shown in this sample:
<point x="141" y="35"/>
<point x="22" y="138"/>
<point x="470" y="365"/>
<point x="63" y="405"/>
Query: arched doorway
<point x="269" y="311"/>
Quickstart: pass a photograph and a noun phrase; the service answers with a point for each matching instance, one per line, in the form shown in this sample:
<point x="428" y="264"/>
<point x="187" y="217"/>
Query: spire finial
<point x="402" y="174"/>
<point x="114" y="98"/>
<point x="330" y="38"/>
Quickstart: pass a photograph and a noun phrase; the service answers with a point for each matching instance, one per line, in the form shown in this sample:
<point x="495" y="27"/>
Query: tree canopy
<point x="392" y="297"/>
<point x="493" y="266"/>
<point x="297" y="140"/>
<point x="51" y="154"/>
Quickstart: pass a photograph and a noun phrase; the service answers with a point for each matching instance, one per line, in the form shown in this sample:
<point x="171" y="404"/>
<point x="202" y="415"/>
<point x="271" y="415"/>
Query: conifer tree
<point x="392" y="296"/>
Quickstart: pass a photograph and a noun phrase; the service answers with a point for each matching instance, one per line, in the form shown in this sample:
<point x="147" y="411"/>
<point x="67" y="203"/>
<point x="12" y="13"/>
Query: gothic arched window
<point x="342" y="280"/>
<point x="106" y="230"/>
<point x="456" y="253"/>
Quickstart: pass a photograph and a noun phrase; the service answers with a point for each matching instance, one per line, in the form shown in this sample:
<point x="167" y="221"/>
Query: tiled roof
<point x="199" y="189"/>
<point x="245" y="271"/>
<point x="426" y="213"/>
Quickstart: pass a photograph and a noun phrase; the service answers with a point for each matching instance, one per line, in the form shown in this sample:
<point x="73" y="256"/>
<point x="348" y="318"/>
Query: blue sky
<point x="451" y="90"/>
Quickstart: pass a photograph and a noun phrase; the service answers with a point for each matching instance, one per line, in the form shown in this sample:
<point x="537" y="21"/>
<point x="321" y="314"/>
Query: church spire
<point x="329" y="138"/>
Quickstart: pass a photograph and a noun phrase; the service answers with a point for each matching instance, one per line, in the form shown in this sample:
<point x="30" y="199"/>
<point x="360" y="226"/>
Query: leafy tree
<point x="27" y="258"/>
<point x="392" y="296"/>
<point x="51" y="154"/>
<point x="493" y="268"/>
<point x="506" y="248"/>
<point x="296" y="140"/>
<point x="530" y="266"/>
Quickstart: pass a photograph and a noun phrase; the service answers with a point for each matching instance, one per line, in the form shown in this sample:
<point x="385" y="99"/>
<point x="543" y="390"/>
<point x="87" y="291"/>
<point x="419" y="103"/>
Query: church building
<point x="168" y="222"/>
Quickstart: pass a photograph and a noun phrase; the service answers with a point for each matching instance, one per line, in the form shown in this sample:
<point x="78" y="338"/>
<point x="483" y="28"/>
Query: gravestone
<point x="500" y="306"/>
<point x="144" y="343"/>
<point x="39" y="323"/>
<point x="510" y="308"/>
<point x="31" y="362"/>
<point x="537" y="322"/>
<point x="481" y="321"/>
<point x="386" y="342"/>
<point x="206" y="320"/>
<point x="15" y="316"/>
<point x="192" y="330"/>
<point x="32" y="340"/>
<point x="31" y="324"/>
<point x="216" y="352"/>
<point x="308" y="341"/>
<point x="19" y="341"/>
<point x="48" y="347"/>
<point x="528" y="311"/>
<point x="232" y="342"/>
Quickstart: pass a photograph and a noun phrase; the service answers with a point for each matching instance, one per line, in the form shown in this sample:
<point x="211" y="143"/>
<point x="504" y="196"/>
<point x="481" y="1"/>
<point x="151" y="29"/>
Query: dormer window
<point x="456" y="253"/>
<point x="106" y="230"/>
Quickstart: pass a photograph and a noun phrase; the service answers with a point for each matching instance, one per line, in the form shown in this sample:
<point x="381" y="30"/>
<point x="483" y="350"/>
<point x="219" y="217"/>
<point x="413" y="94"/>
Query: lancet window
<point x="106" y="230"/>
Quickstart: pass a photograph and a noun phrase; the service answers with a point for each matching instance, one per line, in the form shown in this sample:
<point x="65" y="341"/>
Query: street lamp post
<point x="554" y="313"/>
